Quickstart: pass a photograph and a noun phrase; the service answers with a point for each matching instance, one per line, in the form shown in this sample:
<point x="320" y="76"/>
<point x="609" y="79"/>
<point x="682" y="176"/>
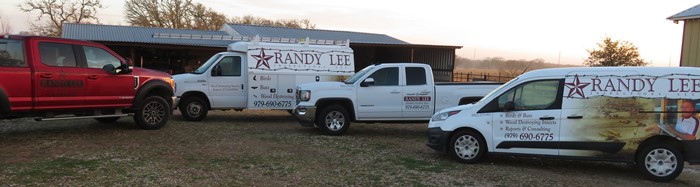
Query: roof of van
<point x="656" y="71"/>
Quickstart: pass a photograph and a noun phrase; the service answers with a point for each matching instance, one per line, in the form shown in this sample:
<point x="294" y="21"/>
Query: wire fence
<point x="471" y="77"/>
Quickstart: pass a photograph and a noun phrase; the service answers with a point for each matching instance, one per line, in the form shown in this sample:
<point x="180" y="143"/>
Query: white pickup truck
<point x="379" y="93"/>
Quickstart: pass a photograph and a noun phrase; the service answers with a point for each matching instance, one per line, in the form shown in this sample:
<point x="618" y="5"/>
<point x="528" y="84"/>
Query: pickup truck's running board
<point x="81" y="117"/>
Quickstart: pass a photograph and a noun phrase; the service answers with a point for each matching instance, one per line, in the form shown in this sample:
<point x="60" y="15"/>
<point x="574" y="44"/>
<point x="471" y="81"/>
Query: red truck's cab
<point x="54" y="78"/>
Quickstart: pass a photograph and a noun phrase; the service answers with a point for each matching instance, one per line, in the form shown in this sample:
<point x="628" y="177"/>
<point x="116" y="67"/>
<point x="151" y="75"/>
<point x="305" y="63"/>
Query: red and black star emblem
<point x="576" y="88"/>
<point x="262" y="59"/>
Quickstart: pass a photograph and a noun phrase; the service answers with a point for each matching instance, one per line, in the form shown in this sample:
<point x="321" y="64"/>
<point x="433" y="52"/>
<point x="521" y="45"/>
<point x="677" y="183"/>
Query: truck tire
<point x="194" y="108"/>
<point x="153" y="112"/>
<point x="660" y="162"/>
<point x="333" y="120"/>
<point x="107" y="120"/>
<point x="467" y="146"/>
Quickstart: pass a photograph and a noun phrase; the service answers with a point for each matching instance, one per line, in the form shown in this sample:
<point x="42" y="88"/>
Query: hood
<point x="460" y="107"/>
<point x="143" y="72"/>
<point x="187" y="78"/>
<point x="321" y="85"/>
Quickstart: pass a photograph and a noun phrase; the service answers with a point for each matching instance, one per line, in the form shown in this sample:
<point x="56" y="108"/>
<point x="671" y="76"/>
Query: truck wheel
<point x="153" y="112"/>
<point x="660" y="162"/>
<point x="467" y="147"/>
<point x="194" y="109"/>
<point x="107" y="120"/>
<point x="333" y="120"/>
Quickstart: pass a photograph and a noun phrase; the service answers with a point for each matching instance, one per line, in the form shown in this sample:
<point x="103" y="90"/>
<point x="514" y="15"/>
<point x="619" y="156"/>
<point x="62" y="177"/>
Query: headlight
<point x="443" y="116"/>
<point x="304" y="95"/>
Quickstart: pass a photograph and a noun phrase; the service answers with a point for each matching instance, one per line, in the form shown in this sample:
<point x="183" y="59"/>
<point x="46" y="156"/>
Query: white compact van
<point x="641" y="115"/>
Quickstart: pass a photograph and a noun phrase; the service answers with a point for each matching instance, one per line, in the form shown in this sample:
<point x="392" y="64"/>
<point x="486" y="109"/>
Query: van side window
<point x="229" y="66"/>
<point x="56" y="54"/>
<point x="537" y="95"/>
<point x="386" y="77"/>
<point x="98" y="58"/>
<point x="11" y="53"/>
<point x="415" y="76"/>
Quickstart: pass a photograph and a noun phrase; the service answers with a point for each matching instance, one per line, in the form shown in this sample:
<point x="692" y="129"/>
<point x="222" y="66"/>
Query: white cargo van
<point x="260" y="75"/>
<point x="636" y="115"/>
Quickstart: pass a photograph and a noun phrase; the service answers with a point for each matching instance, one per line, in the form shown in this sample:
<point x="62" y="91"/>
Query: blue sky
<point x="557" y="31"/>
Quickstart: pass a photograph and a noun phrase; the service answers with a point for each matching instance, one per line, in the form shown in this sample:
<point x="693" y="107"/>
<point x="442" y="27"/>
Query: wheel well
<point x="467" y="100"/>
<point x="4" y="102"/>
<point x="465" y="129"/>
<point x="155" y="87"/>
<point x="658" y="139"/>
<point x="344" y="102"/>
<point x="196" y="94"/>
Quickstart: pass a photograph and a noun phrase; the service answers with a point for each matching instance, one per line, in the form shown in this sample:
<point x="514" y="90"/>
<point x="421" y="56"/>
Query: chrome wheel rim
<point x="153" y="113"/>
<point x="661" y="162"/>
<point x="194" y="109"/>
<point x="466" y="147"/>
<point x="335" y="120"/>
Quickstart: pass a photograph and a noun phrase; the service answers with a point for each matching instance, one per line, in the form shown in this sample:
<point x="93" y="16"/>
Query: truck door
<point x="104" y="88"/>
<point x="526" y="118"/>
<point x="227" y="83"/>
<point x="59" y="83"/>
<point x="382" y="99"/>
<point x="418" y="94"/>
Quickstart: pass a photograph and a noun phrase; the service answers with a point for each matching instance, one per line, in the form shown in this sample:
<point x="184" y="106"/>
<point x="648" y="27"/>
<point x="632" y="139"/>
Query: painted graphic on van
<point x="666" y="86"/>
<point x="614" y="127"/>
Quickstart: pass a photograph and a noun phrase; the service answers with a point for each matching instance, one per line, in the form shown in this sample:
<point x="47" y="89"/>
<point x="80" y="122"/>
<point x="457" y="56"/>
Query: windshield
<point x="358" y="75"/>
<point x="206" y="65"/>
<point x="507" y="84"/>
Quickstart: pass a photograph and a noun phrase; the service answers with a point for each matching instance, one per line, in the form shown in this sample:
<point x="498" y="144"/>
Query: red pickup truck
<point x="54" y="78"/>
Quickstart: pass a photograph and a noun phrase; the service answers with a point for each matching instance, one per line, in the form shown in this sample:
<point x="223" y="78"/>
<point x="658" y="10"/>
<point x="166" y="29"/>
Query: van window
<point x="415" y="76"/>
<point x="56" y="54"/>
<point x="11" y="53"/>
<point x="537" y="95"/>
<point x="98" y="58"/>
<point x="386" y="77"/>
<point x="229" y="66"/>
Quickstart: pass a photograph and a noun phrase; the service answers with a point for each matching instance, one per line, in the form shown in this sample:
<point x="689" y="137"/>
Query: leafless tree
<point x="180" y="14"/>
<point x="289" y="23"/>
<point x="58" y="12"/>
<point x="5" y="27"/>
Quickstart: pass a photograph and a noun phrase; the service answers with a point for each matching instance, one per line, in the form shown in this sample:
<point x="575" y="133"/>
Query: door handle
<point x="242" y="86"/>
<point x="46" y="75"/>
<point x="395" y="92"/>
<point x="574" y="117"/>
<point x="425" y="92"/>
<point x="92" y="77"/>
<point x="546" y="118"/>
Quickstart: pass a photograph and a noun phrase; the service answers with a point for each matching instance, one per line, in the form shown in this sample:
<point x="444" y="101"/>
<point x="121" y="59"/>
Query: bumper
<point x="176" y="100"/>
<point x="306" y="115"/>
<point x="438" y="139"/>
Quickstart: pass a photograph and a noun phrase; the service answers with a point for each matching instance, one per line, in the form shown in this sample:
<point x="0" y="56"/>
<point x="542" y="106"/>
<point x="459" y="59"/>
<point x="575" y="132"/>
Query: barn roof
<point x="691" y="13"/>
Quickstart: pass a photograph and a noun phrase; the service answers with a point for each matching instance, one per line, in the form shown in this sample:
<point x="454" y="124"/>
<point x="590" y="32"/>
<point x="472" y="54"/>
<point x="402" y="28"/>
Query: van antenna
<point x="306" y="42"/>
<point x="347" y="43"/>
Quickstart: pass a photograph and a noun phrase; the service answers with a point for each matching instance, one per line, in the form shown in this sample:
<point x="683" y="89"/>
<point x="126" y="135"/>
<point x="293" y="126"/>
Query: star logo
<point x="262" y="59"/>
<point x="576" y="88"/>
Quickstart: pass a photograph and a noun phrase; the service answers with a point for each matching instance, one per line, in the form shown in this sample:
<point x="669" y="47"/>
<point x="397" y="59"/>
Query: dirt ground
<point x="268" y="148"/>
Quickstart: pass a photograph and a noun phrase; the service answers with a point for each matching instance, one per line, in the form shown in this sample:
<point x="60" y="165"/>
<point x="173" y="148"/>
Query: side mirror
<point x="367" y="82"/>
<point x="215" y="71"/>
<point x="129" y="62"/>
<point x="122" y="69"/>
<point x="110" y="68"/>
<point x="509" y="106"/>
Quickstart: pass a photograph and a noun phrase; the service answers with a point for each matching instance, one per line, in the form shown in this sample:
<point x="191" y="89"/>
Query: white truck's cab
<point x="259" y="75"/>
<point x="382" y="92"/>
<point x="638" y="115"/>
